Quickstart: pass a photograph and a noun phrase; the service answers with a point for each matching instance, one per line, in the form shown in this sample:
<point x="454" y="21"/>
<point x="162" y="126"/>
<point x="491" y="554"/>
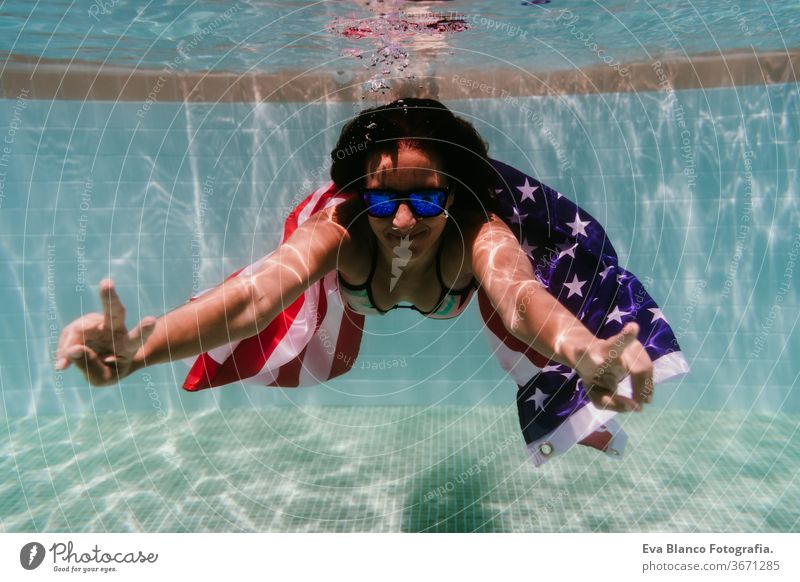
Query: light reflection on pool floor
<point x="385" y="469"/>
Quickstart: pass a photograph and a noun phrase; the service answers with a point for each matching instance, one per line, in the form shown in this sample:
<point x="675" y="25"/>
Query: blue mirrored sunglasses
<point x="424" y="202"/>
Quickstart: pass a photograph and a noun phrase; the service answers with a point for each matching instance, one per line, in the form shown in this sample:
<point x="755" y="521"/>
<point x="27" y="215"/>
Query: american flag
<point x="317" y="338"/>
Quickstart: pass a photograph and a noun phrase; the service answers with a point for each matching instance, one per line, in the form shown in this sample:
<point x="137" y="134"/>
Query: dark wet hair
<point x="424" y="124"/>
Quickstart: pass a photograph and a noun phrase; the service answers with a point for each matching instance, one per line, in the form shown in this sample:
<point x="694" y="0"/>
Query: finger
<point x="615" y="402"/>
<point x="606" y="399"/>
<point x="637" y="363"/>
<point x="642" y="381"/>
<point x="62" y="362"/>
<point x="142" y="332"/>
<point x="76" y="334"/>
<point x="113" y="311"/>
<point x="630" y="332"/>
<point x="69" y="338"/>
<point x="86" y="360"/>
<point x="623" y="339"/>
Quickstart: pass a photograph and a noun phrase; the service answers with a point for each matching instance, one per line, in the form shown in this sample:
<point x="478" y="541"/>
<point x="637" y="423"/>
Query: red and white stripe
<point x="316" y="339"/>
<point x="310" y="342"/>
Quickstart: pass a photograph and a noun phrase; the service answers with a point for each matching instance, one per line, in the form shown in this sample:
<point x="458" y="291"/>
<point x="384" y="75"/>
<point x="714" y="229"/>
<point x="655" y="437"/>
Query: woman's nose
<point x="403" y="219"/>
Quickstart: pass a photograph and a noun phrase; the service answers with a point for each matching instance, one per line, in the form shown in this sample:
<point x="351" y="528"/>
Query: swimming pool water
<point x="389" y="469"/>
<point x="245" y="36"/>
<point x="172" y="203"/>
<point x="697" y="189"/>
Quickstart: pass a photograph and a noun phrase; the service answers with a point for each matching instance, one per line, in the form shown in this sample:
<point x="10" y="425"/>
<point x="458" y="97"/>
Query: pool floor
<point x="390" y="469"/>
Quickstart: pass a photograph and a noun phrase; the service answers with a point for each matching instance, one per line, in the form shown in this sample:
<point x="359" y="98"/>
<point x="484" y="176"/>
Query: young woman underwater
<point x="416" y="211"/>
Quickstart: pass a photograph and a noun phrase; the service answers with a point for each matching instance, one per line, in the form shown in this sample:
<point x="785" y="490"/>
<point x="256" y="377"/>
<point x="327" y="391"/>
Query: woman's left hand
<point x="606" y="362"/>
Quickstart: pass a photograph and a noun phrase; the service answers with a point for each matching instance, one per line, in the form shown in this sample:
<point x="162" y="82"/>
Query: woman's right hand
<point x="100" y="346"/>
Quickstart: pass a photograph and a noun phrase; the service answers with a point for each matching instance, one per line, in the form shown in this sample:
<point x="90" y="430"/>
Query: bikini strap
<point x="368" y="284"/>
<point x="439" y="266"/>
<point x="374" y="265"/>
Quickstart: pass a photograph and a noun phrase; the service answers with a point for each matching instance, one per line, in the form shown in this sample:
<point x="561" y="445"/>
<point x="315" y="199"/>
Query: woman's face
<point x="406" y="170"/>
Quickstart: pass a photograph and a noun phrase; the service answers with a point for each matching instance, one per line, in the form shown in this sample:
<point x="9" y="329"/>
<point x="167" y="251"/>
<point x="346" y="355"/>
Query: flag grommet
<point x="546" y="448"/>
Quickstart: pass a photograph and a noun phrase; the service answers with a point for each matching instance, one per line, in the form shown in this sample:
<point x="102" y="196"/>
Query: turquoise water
<point x="443" y="469"/>
<point x="95" y="190"/>
<point x="296" y="34"/>
<point x="90" y="193"/>
<point x="696" y="188"/>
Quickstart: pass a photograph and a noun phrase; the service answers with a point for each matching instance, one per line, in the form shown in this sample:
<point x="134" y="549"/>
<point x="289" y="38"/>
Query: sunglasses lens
<point x="379" y="203"/>
<point x="424" y="203"/>
<point x="429" y="203"/>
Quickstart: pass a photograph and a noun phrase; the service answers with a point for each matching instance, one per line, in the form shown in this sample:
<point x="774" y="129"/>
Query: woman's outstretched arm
<point x="537" y="318"/>
<point x="103" y="349"/>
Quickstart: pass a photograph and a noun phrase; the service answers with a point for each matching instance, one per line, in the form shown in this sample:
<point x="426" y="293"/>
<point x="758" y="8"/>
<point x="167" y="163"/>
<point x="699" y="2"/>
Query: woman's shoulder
<point x="479" y="222"/>
<point x="345" y="213"/>
<point x="475" y="223"/>
<point x="458" y="247"/>
<point x="480" y="230"/>
<point x="348" y="216"/>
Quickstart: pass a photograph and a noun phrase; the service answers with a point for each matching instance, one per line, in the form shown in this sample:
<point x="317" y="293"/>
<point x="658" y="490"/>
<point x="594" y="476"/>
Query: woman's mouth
<point x="398" y="237"/>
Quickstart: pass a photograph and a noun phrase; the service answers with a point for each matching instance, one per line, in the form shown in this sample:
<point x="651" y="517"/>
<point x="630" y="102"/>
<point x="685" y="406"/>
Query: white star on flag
<point x="616" y="315"/>
<point x="538" y="398"/>
<point x="567" y="249"/>
<point x="575" y="288"/>
<point x="579" y="226"/>
<point x="527" y="191"/>
<point x="551" y="368"/>
<point x="528" y="249"/>
<point x="656" y="314"/>
<point x="518" y="217"/>
<point x="605" y="272"/>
